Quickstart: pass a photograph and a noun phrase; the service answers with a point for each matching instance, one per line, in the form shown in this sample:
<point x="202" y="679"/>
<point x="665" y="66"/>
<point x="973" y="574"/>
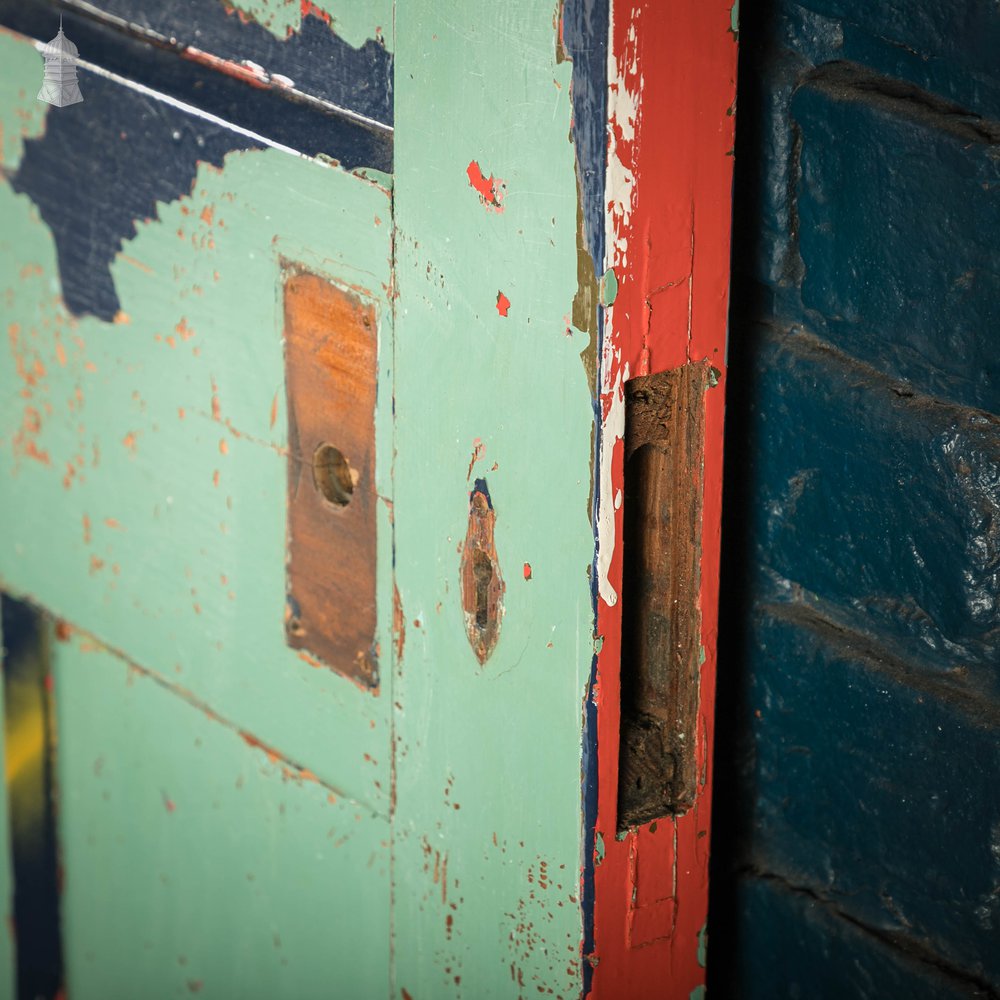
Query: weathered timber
<point x="331" y="364"/>
<point x="661" y="621"/>
<point x="482" y="582"/>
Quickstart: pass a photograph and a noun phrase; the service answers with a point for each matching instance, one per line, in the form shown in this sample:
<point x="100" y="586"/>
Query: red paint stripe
<point x="670" y="251"/>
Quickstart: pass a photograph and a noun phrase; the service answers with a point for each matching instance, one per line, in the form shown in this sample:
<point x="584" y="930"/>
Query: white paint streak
<point x="184" y="106"/>
<point x="613" y="431"/>
<point x="256" y="69"/>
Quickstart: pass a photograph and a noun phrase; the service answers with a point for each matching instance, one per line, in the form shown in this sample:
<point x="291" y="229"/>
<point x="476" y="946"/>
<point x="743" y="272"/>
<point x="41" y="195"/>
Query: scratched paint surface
<point x="487" y="832"/>
<point x="142" y="466"/>
<point x="193" y="866"/>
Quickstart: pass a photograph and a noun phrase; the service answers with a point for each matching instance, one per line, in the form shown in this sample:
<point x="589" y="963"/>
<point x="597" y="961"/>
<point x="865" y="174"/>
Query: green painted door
<point x="311" y="476"/>
<point x="235" y="817"/>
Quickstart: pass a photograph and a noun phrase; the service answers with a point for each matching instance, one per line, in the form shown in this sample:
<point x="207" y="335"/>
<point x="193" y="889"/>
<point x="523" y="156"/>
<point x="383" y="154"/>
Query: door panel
<point x="158" y="478"/>
<point x="196" y="864"/>
<point x="144" y="488"/>
<point x="392" y="737"/>
<point x="487" y="823"/>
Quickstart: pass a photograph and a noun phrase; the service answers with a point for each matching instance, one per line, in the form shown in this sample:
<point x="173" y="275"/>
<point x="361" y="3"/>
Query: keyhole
<point x="333" y="475"/>
<point x="482" y="570"/>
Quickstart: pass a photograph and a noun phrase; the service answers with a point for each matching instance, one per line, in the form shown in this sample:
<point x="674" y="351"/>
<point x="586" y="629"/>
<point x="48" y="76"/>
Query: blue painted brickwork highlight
<point x="823" y="956"/>
<point x="862" y="796"/>
<point x="898" y="203"/>
<point x="857" y="843"/>
<point x="880" y="501"/>
<point x="949" y="48"/>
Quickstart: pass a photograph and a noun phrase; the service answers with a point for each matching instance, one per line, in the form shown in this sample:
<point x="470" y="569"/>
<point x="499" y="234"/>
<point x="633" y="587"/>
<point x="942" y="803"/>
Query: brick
<point x="883" y="503"/>
<point x="949" y="47"/>
<point x="875" y="787"/>
<point x="898" y="215"/>
<point x="795" y="946"/>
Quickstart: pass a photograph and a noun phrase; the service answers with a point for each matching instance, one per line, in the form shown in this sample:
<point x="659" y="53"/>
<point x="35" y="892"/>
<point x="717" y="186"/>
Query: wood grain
<point x="331" y="365"/>
<point x="661" y="627"/>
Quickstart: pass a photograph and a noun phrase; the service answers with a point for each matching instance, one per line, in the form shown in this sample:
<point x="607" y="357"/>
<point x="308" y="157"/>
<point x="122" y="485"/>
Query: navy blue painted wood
<point x="316" y="61"/>
<point x="95" y="172"/>
<point x="857" y="821"/>
<point x="106" y="164"/>
<point x="585" y="30"/>
<point x="273" y="113"/>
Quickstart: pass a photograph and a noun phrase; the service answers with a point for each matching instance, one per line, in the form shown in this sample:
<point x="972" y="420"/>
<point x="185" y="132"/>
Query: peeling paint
<point x="609" y="287"/>
<point x="624" y="94"/>
<point x="671" y="74"/>
<point x="354" y="23"/>
<point x="91" y="223"/>
<point x="482" y="583"/>
<point x="491" y="190"/>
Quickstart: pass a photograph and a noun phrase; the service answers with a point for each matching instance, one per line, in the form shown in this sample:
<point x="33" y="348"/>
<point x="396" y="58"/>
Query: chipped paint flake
<point x="624" y="93"/>
<point x="490" y="189"/>
<point x="608" y="290"/>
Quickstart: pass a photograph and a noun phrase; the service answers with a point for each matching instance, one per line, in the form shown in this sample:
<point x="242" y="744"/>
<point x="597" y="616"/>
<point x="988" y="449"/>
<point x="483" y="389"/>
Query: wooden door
<point x="322" y="322"/>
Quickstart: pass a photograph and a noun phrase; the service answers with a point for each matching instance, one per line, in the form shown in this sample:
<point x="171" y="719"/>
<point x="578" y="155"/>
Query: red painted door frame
<point x="672" y="87"/>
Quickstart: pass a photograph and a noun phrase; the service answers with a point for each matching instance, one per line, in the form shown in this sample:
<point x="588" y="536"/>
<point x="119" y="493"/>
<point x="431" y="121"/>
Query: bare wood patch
<point x="331" y="369"/>
<point x="482" y="582"/>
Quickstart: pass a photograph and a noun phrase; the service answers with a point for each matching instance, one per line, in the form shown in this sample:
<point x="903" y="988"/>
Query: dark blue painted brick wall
<point x="857" y="832"/>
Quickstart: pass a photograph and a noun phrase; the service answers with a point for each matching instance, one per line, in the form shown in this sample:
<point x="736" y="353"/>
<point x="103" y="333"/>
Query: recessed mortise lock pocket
<point x="331" y="368"/>
<point x="482" y="584"/>
<point x="661" y="618"/>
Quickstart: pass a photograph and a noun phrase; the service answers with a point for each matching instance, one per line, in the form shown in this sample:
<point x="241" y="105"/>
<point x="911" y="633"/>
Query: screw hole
<point x="333" y="475"/>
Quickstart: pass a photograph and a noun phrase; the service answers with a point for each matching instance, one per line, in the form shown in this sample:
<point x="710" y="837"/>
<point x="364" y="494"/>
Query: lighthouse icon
<point x="60" y="86"/>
